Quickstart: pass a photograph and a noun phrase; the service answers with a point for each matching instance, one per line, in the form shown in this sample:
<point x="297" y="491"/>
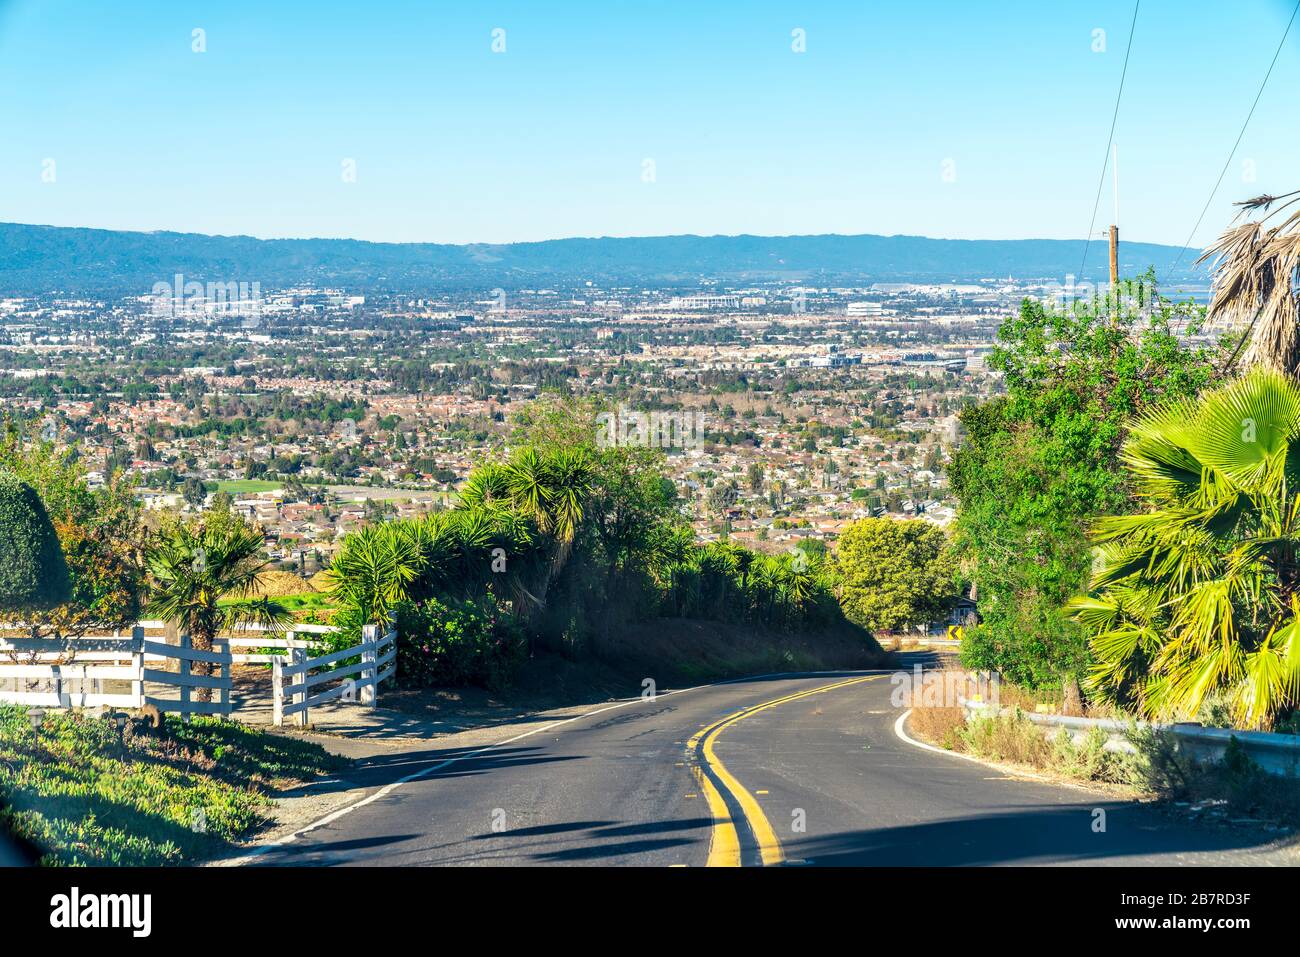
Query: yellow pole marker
<point x="724" y="828"/>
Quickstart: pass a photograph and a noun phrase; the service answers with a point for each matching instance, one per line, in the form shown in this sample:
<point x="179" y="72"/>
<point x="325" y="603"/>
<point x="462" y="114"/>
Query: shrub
<point x="941" y="725"/>
<point x="1006" y="737"/>
<point x="1011" y="736"/>
<point x="33" y="573"/>
<point x="448" y="642"/>
<point x="87" y="795"/>
<point x="1234" y="785"/>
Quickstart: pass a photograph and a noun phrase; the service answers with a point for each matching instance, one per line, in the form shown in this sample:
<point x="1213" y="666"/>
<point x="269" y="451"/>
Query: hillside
<point x="37" y="259"/>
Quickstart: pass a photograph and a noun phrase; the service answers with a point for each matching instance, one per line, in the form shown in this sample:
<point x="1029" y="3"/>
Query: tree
<point x="33" y="572"/>
<point x="551" y="490"/>
<point x="632" y="506"/>
<point x="101" y="536"/>
<point x="1042" y="461"/>
<point x="894" y="574"/>
<point x="1255" y="284"/>
<point x="194" y="492"/>
<point x="722" y="495"/>
<point x="1198" y="593"/>
<point x="195" y="568"/>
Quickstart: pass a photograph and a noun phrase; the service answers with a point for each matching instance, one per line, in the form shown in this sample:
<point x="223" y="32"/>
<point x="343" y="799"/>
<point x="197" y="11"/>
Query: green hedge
<point x="33" y="574"/>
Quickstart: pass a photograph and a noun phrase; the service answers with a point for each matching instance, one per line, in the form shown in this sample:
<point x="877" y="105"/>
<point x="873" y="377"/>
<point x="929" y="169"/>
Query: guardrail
<point x="292" y="683"/>
<point x="1275" y="753"/>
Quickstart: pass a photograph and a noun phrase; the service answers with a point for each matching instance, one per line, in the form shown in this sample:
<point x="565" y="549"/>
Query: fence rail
<point x="292" y="683"/>
<point x="268" y="649"/>
<point x="87" y="662"/>
<point x="72" y="672"/>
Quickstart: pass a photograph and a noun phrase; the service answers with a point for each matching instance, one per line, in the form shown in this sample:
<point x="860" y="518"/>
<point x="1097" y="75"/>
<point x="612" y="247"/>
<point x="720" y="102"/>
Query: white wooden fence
<point x="116" y="670"/>
<point x="72" y="672"/>
<point x="269" y="649"/>
<point x="292" y="683"/>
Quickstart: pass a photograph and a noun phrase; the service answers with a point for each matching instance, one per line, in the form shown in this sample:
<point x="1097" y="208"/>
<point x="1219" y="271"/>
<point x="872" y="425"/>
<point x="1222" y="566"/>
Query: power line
<point x="1228" y="162"/>
<point x="1101" y="180"/>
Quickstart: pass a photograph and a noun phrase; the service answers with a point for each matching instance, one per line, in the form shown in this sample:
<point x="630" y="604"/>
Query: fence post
<point x="277" y="689"/>
<point x="370" y="658"/>
<point x="298" y="656"/>
<point x="137" y="665"/>
<point x="222" y="671"/>
<point x="184" y="671"/>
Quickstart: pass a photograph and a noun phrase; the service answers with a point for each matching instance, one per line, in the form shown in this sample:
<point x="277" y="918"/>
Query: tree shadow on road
<point x="1063" y="835"/>
<point x="464" y="762"/>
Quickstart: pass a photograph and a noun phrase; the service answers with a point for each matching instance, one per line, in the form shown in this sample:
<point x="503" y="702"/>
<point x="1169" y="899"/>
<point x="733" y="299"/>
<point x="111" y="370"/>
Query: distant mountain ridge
<point x="38" y="259"/>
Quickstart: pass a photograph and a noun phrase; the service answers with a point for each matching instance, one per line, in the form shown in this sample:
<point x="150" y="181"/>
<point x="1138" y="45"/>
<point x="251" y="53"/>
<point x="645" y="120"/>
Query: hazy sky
<point x="453" y="142"/>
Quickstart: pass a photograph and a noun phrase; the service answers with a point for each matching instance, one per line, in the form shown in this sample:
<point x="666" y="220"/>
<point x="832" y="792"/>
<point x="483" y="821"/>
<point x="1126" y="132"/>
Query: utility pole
<point x="1114" y="229"/>
<point x="1114" y="259"/>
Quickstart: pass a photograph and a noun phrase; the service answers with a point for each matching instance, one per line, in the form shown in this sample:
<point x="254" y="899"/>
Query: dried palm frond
<point x="1256" y="285"/>
<point x="1264" y="200"/>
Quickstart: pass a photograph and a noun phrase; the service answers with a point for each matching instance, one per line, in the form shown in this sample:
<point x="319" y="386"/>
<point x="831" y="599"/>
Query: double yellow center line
<point x="723" y="792"/>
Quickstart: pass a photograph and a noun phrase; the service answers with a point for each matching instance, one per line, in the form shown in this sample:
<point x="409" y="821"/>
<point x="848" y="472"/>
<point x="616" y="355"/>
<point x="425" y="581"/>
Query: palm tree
<point x="464" y="553"/>
<point x="194" y="569"/>
<point x="551" y="490"/>
<point x="487" y="486"/>
<point x="1255" y="284"/>
<point x="1198" y="594"/>
<point x="569" y="477"/>
<point x="376" y="569"/>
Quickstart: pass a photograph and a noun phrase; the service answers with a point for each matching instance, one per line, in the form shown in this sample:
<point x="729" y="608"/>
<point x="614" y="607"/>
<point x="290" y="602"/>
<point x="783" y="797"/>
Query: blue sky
<point x="455" y="143"/>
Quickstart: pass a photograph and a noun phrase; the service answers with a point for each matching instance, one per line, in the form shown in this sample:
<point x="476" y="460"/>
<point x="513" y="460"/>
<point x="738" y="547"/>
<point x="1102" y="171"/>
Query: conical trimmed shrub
<point x="33" y="574"/>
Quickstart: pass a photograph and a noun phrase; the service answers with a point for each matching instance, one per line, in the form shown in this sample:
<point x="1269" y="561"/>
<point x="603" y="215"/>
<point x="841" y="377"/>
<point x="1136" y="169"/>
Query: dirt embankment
<point x="673" y="653"/>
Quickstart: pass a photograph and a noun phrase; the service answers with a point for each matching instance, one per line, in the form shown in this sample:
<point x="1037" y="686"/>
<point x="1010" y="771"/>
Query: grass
<point x="305" y="601"/>
<point x="84" y="796"/>
<point x="1014" y="738"/>
<point x="1009" y="736"/>
<point x="300" y="602"/>
<point x="941" y="725"/>
<point x="243" y="486"/>
<point x="1233" y="789"/>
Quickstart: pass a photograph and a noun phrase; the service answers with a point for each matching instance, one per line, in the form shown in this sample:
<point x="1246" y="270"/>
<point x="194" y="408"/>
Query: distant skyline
<point x="962" y="121"/>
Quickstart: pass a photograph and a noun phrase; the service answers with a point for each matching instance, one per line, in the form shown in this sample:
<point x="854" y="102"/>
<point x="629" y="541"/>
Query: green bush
<point x="450" y="642"/>
<point x="33" y="573"/>
<point x="1042" y="461"/>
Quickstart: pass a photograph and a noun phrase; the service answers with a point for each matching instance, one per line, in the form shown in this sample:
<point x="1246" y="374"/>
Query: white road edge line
<point x="254" y="852"/>
<point x="900" y="729"/>
<point x="1006" y="771"/>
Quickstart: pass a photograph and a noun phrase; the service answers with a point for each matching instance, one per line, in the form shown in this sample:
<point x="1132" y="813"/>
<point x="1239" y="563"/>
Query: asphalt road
<point x="793" y="771"/>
